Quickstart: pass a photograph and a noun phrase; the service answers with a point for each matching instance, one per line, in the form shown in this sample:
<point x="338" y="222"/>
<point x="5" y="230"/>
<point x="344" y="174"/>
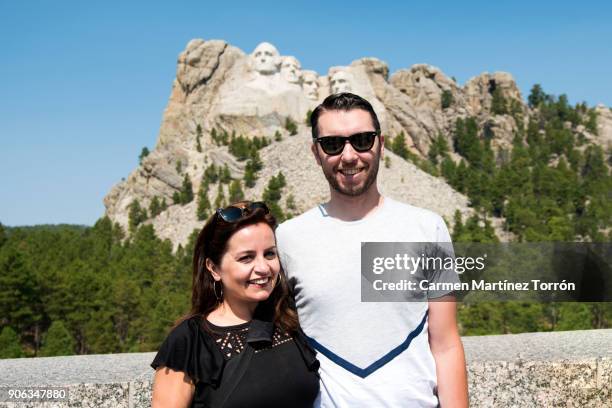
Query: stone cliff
<point x="220" y="89"/>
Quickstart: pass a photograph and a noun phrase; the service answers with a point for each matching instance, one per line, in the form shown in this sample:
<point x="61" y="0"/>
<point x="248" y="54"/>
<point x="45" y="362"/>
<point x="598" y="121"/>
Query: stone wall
<point x="566" y="369"/>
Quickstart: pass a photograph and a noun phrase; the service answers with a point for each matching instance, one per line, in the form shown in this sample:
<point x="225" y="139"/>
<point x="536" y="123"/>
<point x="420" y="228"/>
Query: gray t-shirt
<point x="371" y="354"/>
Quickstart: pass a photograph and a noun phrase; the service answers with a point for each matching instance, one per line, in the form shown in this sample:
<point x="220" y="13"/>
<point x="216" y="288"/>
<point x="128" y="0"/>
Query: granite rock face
<point x="220" y="87"/>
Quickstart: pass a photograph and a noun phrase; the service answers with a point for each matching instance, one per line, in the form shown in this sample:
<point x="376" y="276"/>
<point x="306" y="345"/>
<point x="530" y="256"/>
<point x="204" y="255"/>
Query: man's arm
<point x="447" y="351"/>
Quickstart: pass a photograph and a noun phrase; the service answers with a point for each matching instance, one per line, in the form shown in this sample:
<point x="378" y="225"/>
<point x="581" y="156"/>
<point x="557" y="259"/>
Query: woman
<point x="241" y="344"/>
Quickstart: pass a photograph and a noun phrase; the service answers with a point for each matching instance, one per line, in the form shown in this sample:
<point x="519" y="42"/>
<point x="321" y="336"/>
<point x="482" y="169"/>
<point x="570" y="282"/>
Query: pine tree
<point x="186" y="195"/>
<point x="220" y="200"/>
<point x="536" y="96"/>
<point x="250" y="176"/>
<point x="214" y="136"/>
<point x="203" y="202"/>
<point x="290" y="203"/>
<point x="499" y="105"/>
<point x="591" y="124"/>
<point x="198" y="138"/>
<point x="155" y="207"/>
<point x="277" y="136"/>
<point x="3" y="237"/>
<point x="211" y="174"/>
<point x="9" y="344"/>
<point x="176" y="197"/>
<point x="387" y="162"/>
<point x="457" y="226"/>
<point x="226" y="176"/>
<point x="235" y="192"/>
<point x="58" y="341"/>
<point x="143" y="153"/>
<point x="398" y="145"/>
<point x="136" y="215"/>
<point x="291" y="126"/>
<point x="447" y="99"/>
<point x="307" y="119"/>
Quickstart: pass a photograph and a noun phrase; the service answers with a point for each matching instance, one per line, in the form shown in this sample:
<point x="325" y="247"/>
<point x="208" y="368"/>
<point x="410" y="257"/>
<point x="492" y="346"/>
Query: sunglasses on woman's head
<point x="233" y="213"/>
<point x="334" y="145"/>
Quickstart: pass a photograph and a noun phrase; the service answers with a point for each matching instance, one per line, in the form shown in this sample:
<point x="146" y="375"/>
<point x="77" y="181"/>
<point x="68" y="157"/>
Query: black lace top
<point x="252" y="364"/>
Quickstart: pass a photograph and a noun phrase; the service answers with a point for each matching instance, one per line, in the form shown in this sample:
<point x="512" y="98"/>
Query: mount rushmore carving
<point x="220" y="87"/>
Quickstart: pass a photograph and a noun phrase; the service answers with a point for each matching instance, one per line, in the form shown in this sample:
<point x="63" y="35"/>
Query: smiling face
<point x="250" y="266"/>
<point x="349" y="173"/>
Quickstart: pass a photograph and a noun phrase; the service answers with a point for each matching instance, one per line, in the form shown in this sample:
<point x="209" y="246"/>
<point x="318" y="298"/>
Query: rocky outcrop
<point x="219" y="87"/>
<point x="604" y="127"/>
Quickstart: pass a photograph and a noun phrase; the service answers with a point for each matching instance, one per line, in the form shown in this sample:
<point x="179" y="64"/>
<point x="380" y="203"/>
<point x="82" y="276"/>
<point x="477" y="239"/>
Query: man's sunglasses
<point x="233" y="213"/>
<point x="334" y="145"/>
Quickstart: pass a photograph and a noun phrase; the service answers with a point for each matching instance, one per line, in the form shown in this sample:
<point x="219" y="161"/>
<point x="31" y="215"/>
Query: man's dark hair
<point x="344" y="101"/>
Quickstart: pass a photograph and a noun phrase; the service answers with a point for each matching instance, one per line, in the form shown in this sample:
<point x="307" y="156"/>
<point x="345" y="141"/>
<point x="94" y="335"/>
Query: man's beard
<point x="354" y="191"/>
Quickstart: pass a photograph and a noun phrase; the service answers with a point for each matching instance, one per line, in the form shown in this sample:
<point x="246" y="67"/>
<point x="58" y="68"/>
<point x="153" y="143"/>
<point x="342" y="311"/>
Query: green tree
<point x="136" y="215"/>
<point x="211" y="174"/>
<point x="3" y="237"/>
<point x="235" y="192"/>
<point x="250" y="177"/>
<point x="398" y="145"/>
<point x="143" y="153"/>
<point x="186" y="195"/>
<point x="277" y="136"/>
<point x="220" y="200"/>
<point x="272" y="192"/>
<point x="536" y="96"/>
<point x="156" y="207"/>
<point x="591" y="123"/>
<point x="499" y="106"/>
<point x="226" y="175"/>
<point x="198" y="138"/>
<point x="58" y="341"/>
<point x="439" y="148"/>
<point x="253" y="166"/>
<point x="387" y="162"/>
<point x="9" y="344"/>
<point x="290" y="203"/>
<point x="203" y="202"/>
<point x="307" y="119"/>
<point x="447" y="99"/>
<point x="291" y="126"/>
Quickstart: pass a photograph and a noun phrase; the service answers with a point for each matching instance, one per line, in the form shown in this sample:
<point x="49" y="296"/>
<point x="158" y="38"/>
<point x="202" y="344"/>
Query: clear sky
<point x="83" y="84"/>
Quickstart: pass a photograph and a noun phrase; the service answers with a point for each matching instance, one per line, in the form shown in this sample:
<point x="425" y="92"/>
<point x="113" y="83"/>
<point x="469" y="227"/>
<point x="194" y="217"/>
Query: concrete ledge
<point x="533" y="369"/>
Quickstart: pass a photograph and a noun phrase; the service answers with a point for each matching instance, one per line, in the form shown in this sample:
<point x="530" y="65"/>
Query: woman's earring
<point x="219" y="297"/>
<point x="278" y="279"/>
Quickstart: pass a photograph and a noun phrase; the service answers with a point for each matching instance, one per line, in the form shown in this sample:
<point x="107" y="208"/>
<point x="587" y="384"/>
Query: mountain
<point x="228" y="110"/>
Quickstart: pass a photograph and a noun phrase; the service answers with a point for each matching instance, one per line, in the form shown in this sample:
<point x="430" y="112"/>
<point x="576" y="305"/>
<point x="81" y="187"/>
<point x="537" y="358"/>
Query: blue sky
<point x="83" y="84"/>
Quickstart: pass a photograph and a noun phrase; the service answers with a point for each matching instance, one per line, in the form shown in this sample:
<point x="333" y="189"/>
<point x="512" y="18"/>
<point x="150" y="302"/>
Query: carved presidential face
<point x="265" y="59"/>
<point x="340" y="82"/>
<point x="310" y="85"/>
<point x="291" y="70"/>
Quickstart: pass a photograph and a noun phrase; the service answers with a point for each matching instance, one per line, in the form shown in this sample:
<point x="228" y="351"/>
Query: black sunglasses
<point x="334" y="145"/>
<point x="233" y="213"/>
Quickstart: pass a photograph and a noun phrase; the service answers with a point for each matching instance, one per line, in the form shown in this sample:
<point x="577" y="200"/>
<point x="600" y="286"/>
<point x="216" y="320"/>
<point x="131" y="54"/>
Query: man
<point x="372" y="354"/>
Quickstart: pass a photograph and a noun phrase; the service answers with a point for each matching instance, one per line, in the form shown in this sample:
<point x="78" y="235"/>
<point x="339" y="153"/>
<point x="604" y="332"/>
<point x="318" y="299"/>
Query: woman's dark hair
<point x="212" y="244"/>
<point x="344" y="101"/>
